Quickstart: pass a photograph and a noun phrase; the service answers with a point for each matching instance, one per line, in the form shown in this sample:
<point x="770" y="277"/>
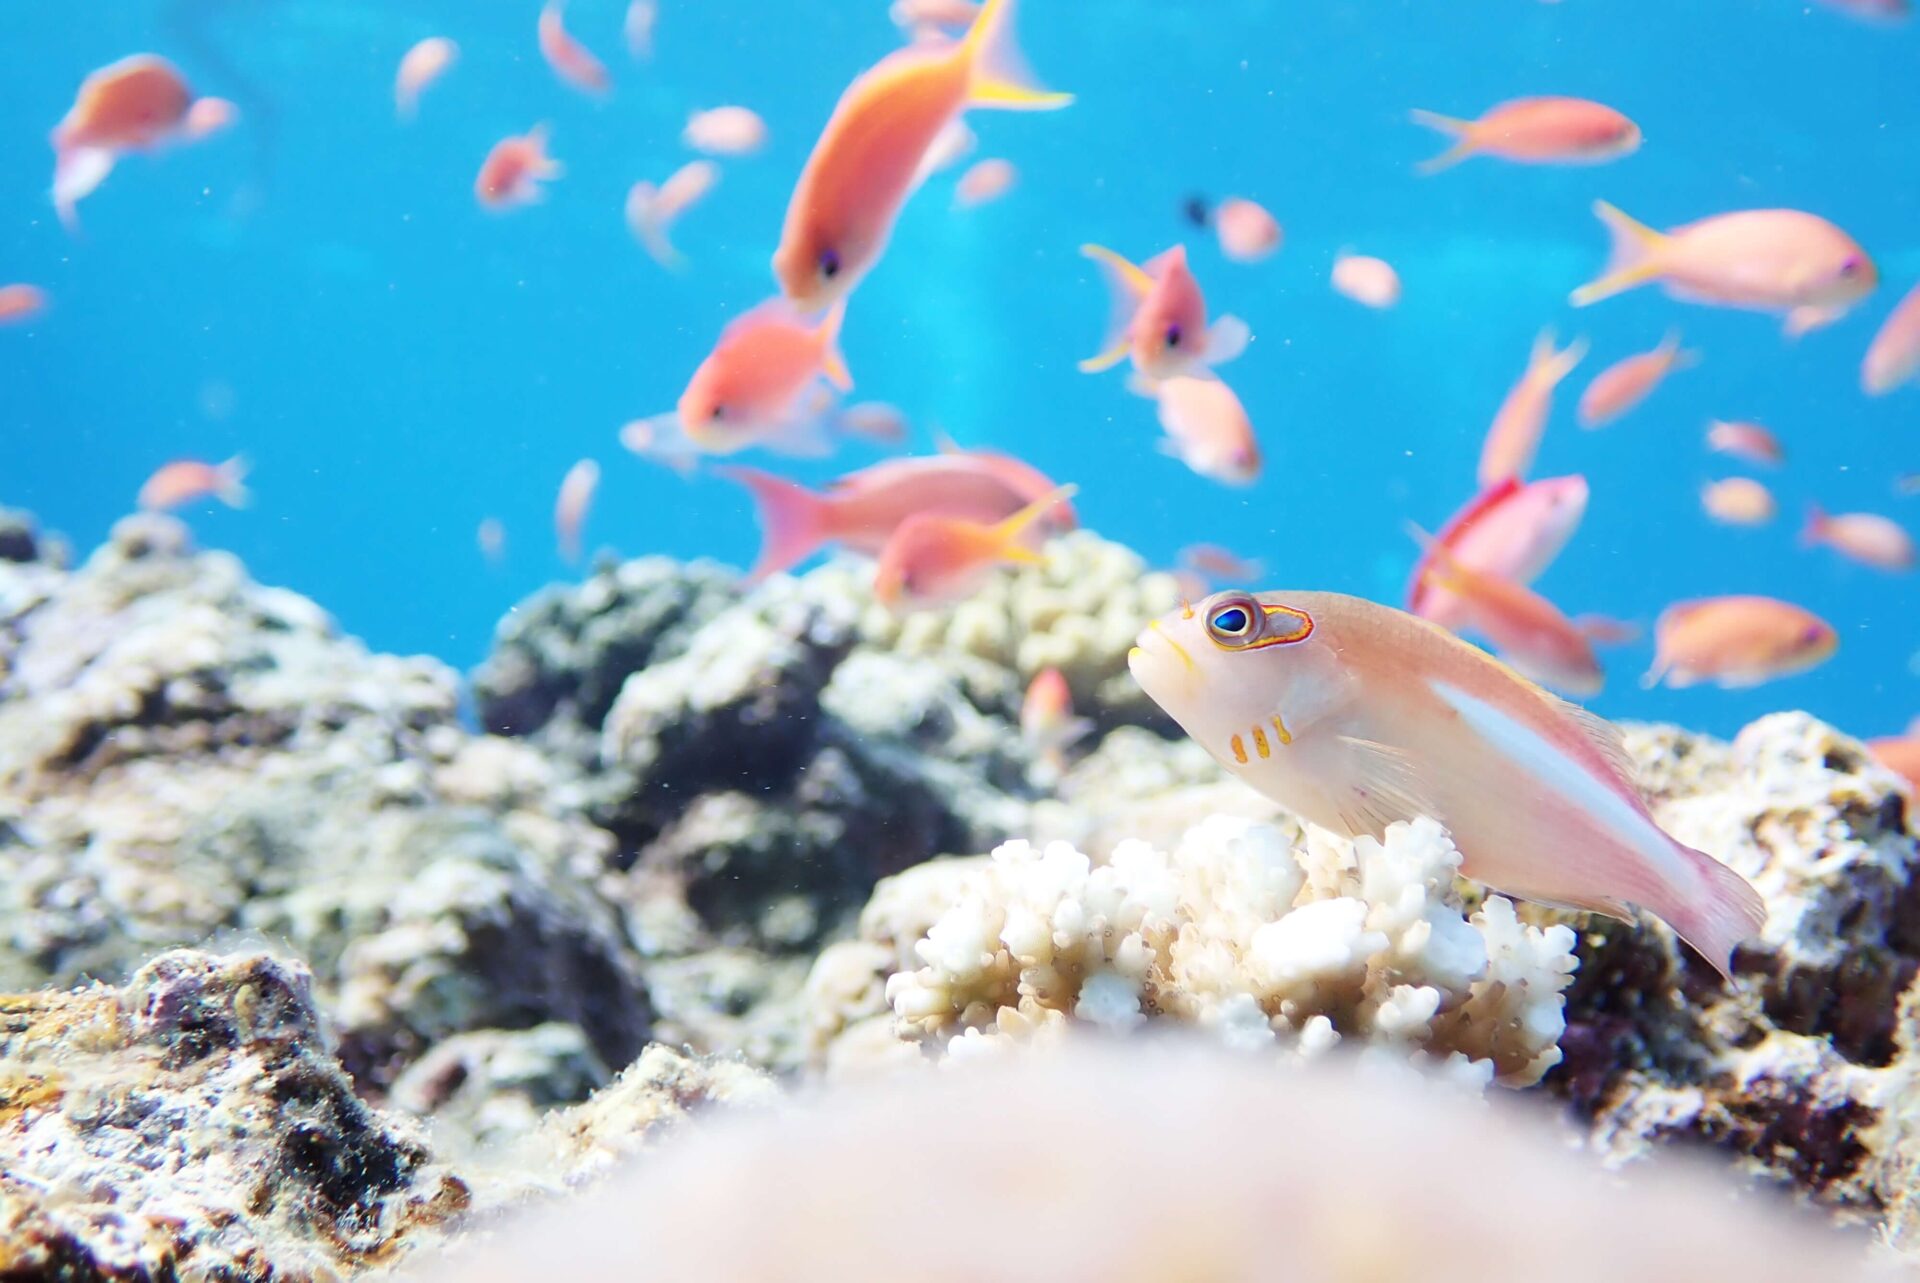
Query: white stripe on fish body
<point x="1532" y="754"/>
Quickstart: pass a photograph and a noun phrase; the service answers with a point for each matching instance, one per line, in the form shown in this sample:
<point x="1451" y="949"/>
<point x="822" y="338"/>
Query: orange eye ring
<point x="1238" y="622"/>
<point x="1284" y="626"/>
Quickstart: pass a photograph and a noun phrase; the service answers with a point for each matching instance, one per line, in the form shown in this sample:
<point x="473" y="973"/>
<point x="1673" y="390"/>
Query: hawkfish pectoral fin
<point x="1618" y="910"/>
<point x="1377" y="785"/>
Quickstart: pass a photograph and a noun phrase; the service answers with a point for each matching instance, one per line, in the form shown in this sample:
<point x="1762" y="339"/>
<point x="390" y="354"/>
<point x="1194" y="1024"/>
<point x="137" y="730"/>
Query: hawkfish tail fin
<point x="1720" y="914"/>
<point x="998" y="75"/>
<point x="1637" y="253"/>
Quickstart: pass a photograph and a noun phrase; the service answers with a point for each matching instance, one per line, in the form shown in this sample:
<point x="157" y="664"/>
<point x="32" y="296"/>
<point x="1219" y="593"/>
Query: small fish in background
<point x="572" y="61"/>
<point x="139" y="103"/>
<point x="570" y="507"/>
<point x="925" y="19"/>
<point x="1805" y="320"/>
<point x="1246" y="231"/>
<point x="1736" y="642"/>
<point x="935" y="560"/>
<point x="1865" y="537"/>
<point x="491" y="537"/>
<point x="1873" y="10"/>
<point x="872" y="152"/>
<point x="1512" y="530"/>
<point x="1763" y="260"/>
<point x="1900" y="754"/>
<point x="651" y="211"/>
<point x="1738" y="501"/>
<point x="1535" y="131"/>
<point x="725" y="131"/>
<point x="514" y="169"/>
<point x="1743" y="440"/>
<point x="1207" y="428"/>
<point x="1622" y="386"/>
<point x="420" y="66"/>
<point x="1211" y="561"/>
<point x="754" y="383"/>
<point x="1159" y="318"/>
<point x="1352" y="716"/>
<point x="985" y="180"/>
<point x="1514" y="437"/>
<point x="1907" y="484"/>
<point x="861" y="511"/>
<point x="876" y="421"/>
<point x="1370" y="282"/>
<point x="1893" y="357"/>
<point x="187" y="481"/>
<point x="1047" y="724"/>
<point x="637" y="28"/>
<point x="662" y="442"/>
<point x="21" y="303"/>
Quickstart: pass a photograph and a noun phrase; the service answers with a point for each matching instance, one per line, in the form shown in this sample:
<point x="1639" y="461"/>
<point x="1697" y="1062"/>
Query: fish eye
<point x="719" y="413"/>
<point x="1852" y="266"/>
<point x="1173" y="336"/>
<point x="1232" y="622"/>
<point x="829" y="263"/>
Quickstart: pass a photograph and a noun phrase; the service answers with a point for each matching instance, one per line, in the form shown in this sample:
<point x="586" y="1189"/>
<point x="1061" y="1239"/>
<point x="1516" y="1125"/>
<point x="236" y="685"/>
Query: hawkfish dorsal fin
<point x="1604" y="737"/>
<point x="1383" y="785"/>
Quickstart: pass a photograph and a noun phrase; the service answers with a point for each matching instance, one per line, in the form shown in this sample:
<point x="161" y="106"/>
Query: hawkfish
<point x="1355" y="715"/>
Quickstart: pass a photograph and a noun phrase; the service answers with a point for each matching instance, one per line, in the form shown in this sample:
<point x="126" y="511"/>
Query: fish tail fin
<point x="998" y="75"/>
<point x="231" y="485"/>
<point x="1006" y="534"/>
<point x="544" y="165"/>
<point x="793" y="520"/>
<point x="1127" y="283"/>
<point x="1814" y="528"/>
<point x="1227" y="338"/>
<point x="1721" y="913"/>
<point x="1635" y="261"/>
<point x="1437" y="566"/>
<point x="649" y="225"/>
<point x="1677" y="357"/>
<point x="77" y="171"/>
<point x="208" y="116"/>
<point x="832" y="363"/>
<point x="1554" y="366"/>
<point x="1464" y="146"/>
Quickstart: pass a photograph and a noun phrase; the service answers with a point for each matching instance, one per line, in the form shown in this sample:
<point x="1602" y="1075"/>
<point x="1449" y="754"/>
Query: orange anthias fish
<point x="1626" y="383"/>
<point x="1894" y="357"/>
<point x="1247" y="232"/>
<point x="189" y="480"/>
<point x="861" y="511"/>
<point x="651" y="210"/>
<point x="1159" y="318"/>
<point x="1738" y="501"/>
<point x="1527" y="630"/>
<point x="725" y="131"/>
<point x="1536" y="131"/>
<point x="1354" y="715"/>
<point x="420" y="66"/>
<point x="984" y="180"/>
<point x="1207" y="429"/>
<point x="136" y="104"/>
<point x="1865" y="537"/>
<point x="1747" y="441"/>
<point x="514" y="169"/>
<point x="1737" y="642"/>
<point x="1514" y="438"/>
<point x="1900" y="754"/>
<point x="1766" y="260"/>
<point x="1511" y="530"/>
<point x="1371" y="282"/>
<point x="935" y="560"/>
<point x="1047" y="723"/>
<point x="21" y="303"/>
<point x="637" y="27"/>
<point x="755" y="382"/>
<point x="869" y="158"/>
<point x="570" y="60"/>
<point x="571" y="505"/>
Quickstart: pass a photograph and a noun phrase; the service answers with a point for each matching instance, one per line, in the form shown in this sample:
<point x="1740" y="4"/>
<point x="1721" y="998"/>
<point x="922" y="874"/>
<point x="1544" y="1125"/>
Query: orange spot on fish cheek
<point x="1239" y="750"/>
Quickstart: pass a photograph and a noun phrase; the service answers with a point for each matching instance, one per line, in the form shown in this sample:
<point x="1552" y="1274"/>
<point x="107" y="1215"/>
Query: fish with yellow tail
<point x="1354" y="715"/>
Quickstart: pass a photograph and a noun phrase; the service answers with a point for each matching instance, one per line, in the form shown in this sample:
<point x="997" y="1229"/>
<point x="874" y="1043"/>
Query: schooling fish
<point x="651" y="211"/>
<point x="1247" y="232"/>
<point x="1866" y="537"/>
<point x="1900" y="754"/>
<point x="1894" y="356"/>
<point x="1512" y="530"/>
<point x="725" y="131"/>
<point x="571" y="504"/>
<point x="984" y="180"/>
<point x="1514" y="438"/>
<point x="1047" y="723"/>
<point x="136" y="104"/>
<point x="1207" y="428"/>
<point x="1354" y="715"/>
<point x="572" y="61"/>
<point x="932" y="559"/>
<point x="420" y="66"/>
<point x="188" y="480"/>
<point x="1536" y="131"/>
<point x="1737" y="642"/>
<point x="1370" y="282"/>
<point x="1738" y="501"/>
<point x="1747" y="441"/>
<point x="514" y="169"/>
<point x="1527" y="630"/>
<point x="1626" y="383"/>
<point x="21" y="303"/>
<point x="755" y="378"/>
<point x="1159" y="318"/>
<point x="1211" y="561"/>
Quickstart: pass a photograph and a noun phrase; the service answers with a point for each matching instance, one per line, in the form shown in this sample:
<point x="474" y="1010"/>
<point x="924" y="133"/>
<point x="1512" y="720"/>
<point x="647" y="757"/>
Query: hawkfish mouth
<point x="1161" y="665"/>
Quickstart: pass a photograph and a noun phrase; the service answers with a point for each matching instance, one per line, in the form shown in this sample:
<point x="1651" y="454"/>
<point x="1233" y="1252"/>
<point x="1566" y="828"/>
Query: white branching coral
<point x="1238" y="931"/>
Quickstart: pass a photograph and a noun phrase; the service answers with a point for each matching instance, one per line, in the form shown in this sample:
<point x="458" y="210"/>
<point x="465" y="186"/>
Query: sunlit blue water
<point x="319" y="290"/>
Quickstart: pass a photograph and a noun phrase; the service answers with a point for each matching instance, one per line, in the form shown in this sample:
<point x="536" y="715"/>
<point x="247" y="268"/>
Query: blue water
<point x="318" y="289"/>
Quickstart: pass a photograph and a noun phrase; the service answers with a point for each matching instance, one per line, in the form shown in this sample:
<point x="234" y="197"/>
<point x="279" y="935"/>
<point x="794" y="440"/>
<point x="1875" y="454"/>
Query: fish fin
<point x="945" y="444"/>
<point x="643" y="218"/>
<point x="663" y="439"/>
<point x="77" y="171"/>
<point x="1227" y="338"/>
<point x="997" y="75"/>
<point x="1715" y="923"/>
<point x="232" y="485"/>
<point x="1006" y="534"/>
<point x="1677" y="358"/>
<point x="1462" y="130"/>
<point x="793" y="520"/>
<point x="1606" y="631"/>
<point x="1603" y="736"/>
<point x="1804" y="320"/>
<point x="1635" y="261"/>
<point x="804" y="434"/>
<point x="1815" y="527"/>
<point x="1386" y="787"/>
<point x="1550" y="366"/>
<point x="1605" y="906"/>
<point x="1127" y="283"/>
<point x="832" y="363"/>
<point x="1142" y="384"/>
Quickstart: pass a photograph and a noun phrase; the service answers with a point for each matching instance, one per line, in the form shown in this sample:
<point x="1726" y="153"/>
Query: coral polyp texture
<point x="1238" y="930"/>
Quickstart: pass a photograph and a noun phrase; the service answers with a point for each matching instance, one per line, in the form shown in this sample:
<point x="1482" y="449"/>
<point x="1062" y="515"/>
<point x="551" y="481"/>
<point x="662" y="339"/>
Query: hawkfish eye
<point x="1232" y="622"/>
<point x="829" y="263"/>
<point x="1239" y="622"/>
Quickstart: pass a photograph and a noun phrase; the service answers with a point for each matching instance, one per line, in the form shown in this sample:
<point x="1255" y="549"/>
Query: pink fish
<point x="651" y="211"/>
<point x="984" y="180"/>
<point x="1894" y="357"/>
<point x="1738" y="501"/>
<point x="1512" y="530"/>
<point x="1514" y="438"/>
<point x="637" y="27"/>
<point x="1536" y="131"/>
<point x="1207" y="429"/>
<point x="423" y="64"/>
<point x="725" y="131"/>
<point x="1767" y="260"/>
<point x="1900" y="754"/>
<point x="1626" y="383"/>
<point x="932" y="559"/>
<point x="1874" y="10"/>
<point x="1354" y="716"/>
<point x="1211" y="561"/>
<point x="139" y="103"/>
<point x="571" y="505"/>
<point x="21" y="303"/>
<point x="1865" y="537"/>
<point x="1247" y="232"/>
<point x="1737" y="642"/>
<point x="189" y="481"/>
<point x="1747" y="441"/>
<point x="1047" y="723"/>
<point x="1528" y="631"/>
<point x="1159" y="318"/>
<point x="570" y="60"/>
<point x="491" y="537"/>
<point x="514" y="169"/>
<point x="1371" y="282"/>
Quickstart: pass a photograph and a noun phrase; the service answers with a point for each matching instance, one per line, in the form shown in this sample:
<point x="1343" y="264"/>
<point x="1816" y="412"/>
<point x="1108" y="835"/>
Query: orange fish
<point x="1737" y="642"/>
<point x="1159" y="318"/>
<point x="1894" y="356"/>
<point x="1047" y="723"/>
<point x="1767" y="260"/>
<point x="1738" y="501"/>
<point x="1900" y="754"/>
<point x="1514" y="438"/>
<point x="868" y="159"/>
<point x="651" y="211"/>
<point x="934" y="560"/>
<point x="755" y="377"/>
<point x="1874" y="10"/>
<point x="1371" y="282"/>
<point x="923" y="18"/>
<point x="638" y="27"/>
<point x="1747" y="441"/>
<point x="1247" y="232"/>
<point x="1865" y="537"/>
<point x="1511" y="530"/>
<point x="1626" y="383"/>
<point x="1354" y="716"/>
<point x="571" y="505"/>
<point x="570" y="59"/>
<point x="984" y="180"/>
<point x="1536" y="131"/>
<point x="514" y="169"/>
<point x="188" y="481"/>
<point x="725" y="131"/>
<point x="1207" y="429"/>
<point x="1214" y="562"/>
<point x="136" y="104"/>
<point x="21" y="303"/>
<point x="423" y="64"/>
<point x="1527" y="630"/>
<point x="492" y="538"/>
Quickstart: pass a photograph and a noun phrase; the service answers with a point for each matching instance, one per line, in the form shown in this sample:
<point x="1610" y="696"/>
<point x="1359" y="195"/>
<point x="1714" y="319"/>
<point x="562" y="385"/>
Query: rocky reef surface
<point x="308" y="972"/>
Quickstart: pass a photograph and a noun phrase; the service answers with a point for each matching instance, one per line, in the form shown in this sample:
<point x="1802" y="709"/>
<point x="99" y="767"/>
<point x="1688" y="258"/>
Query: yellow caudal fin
<point x="1000" y="78"/>
<point x="1636" y="257"/>
<point x="1462" y="130"/>
<point x="1127" y="284"/>
<point x="1006" y="535"/>
<point x="1549" y="366"/>
<point x="832" y="363"/>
